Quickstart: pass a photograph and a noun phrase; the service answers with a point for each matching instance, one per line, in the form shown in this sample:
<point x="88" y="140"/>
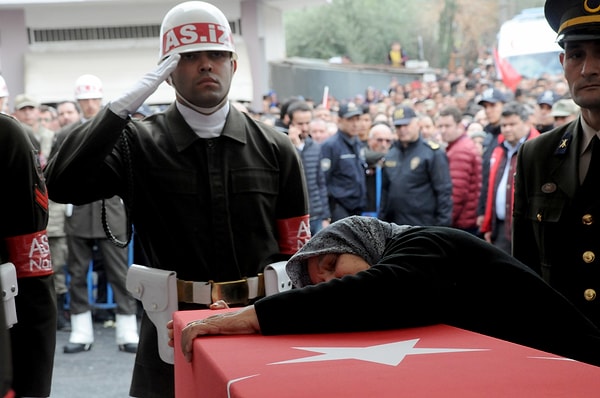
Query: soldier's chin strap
<point x="128" y="201"/>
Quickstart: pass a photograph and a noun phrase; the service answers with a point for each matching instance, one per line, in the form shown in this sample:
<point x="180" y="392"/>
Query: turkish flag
<point x="434" y="361"/>
<point x="510" y="77"/>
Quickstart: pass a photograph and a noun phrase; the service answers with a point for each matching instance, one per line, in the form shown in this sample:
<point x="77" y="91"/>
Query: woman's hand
<point x="243" y="321"/>
<point x="219" y="305"/>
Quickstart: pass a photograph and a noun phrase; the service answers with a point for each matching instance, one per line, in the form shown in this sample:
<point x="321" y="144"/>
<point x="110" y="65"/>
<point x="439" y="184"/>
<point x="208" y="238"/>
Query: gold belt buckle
<point x="232" y="292"/>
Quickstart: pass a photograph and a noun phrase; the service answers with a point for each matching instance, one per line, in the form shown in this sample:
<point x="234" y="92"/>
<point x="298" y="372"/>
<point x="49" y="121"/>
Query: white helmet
<point x="88" y="87"/>
<point x="3" y="88"/>
<point x="195" y="26"/>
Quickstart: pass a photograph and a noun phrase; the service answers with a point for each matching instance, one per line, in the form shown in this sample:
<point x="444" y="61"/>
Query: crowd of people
<point x="460" y="159"/>
<point x="439" y="153"/>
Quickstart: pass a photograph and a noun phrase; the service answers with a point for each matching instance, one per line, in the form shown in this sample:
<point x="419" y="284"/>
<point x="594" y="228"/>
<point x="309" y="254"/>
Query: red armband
<point x="293" y="233"/>
<point x="30" y="254"/>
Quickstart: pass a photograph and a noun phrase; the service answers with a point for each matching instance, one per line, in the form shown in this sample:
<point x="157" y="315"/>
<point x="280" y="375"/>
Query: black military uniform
<point x="207" y="209"/>
<point x="23" y="242"/>
<point x="556" y="218"/>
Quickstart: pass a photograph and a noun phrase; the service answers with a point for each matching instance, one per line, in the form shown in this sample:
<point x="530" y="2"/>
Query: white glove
<point x="130" y="101"/>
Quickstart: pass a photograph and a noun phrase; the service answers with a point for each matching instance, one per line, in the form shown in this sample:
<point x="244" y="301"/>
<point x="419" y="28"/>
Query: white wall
<point x="50" y="69"/>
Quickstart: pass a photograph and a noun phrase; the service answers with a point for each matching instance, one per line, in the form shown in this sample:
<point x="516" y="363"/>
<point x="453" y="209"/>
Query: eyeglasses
<point x="383" y="140"/>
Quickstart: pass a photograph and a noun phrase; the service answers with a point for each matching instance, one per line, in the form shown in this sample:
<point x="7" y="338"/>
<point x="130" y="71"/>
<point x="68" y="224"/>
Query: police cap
<point x="349" y="110"/>
<point x="574" y="20"/>
<point x="403" y="115"/>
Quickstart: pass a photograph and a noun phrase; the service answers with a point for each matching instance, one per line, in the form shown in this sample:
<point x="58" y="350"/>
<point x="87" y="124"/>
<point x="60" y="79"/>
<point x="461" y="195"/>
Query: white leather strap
<point x="10" y="288"/>
<point x="276" y="278"/>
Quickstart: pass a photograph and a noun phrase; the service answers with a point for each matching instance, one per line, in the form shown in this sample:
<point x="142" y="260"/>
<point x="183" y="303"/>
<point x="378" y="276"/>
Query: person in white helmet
<point x="87" y="241"/>
<point x="213" y="194"/>
<point x="89" y="94"/>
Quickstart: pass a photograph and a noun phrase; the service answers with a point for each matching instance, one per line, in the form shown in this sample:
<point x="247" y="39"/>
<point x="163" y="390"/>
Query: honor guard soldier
<point x="24" y="248"/>
<point x="556" y="218"/>
<point x="213" y="195"/>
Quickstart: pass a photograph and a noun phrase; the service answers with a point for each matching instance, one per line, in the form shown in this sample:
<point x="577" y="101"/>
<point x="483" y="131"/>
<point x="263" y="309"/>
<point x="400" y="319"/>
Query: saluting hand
<point x="130" y="101"/>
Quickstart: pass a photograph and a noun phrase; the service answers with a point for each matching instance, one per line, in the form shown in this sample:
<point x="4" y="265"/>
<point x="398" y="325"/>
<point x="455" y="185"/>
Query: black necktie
<point x="593" y="173"/>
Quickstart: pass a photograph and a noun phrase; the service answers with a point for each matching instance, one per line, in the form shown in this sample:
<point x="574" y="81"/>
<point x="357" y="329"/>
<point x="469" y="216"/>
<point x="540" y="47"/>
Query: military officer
<point x="556" y="217"/>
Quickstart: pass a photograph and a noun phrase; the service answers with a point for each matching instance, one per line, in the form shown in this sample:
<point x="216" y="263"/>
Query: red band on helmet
<point x="30" y="254"/>
<point x="196" y="33"/>
<point x="293" y="233"/>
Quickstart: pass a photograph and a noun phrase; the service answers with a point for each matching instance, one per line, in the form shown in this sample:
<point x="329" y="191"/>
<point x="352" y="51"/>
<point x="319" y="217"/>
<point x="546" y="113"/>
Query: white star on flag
<point x="386" y="354"/>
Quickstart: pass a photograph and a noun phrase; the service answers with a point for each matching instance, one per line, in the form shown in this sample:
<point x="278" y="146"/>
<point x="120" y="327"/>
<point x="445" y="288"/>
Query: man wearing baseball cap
<point x="416" y="185"/>
<point x="564" y="110"/>
<point x="543" y="116"/>
<point x="556" y="218"/>
<point x="343" y="162"/>
<point x="492" y="100"/>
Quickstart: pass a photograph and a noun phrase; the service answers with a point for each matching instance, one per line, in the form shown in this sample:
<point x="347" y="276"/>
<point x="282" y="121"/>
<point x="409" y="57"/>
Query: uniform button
<point x="588" y="257"/>
<point x="589" y="294"/>
<point x="538" y="217"/>
<point x="587" y="219"/>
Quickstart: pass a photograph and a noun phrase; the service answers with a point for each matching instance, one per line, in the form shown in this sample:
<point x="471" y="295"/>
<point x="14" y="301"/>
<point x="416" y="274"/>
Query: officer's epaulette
<point x="564" y="142"/>
<point x="434" y="145"/>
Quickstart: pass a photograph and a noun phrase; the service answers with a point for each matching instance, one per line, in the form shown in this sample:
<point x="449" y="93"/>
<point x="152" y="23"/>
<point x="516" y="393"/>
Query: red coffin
<point x="435" y="361"/>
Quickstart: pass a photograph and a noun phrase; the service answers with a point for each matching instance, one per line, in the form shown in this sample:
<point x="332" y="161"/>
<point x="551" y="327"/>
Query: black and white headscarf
<point x="363" y="236"/>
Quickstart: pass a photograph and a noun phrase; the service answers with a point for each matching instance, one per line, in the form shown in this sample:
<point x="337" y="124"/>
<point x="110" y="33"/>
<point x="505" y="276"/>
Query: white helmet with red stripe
<point x="3" y="88"/>
<point x="88" y="87"/>
<point x="195" y="26"/>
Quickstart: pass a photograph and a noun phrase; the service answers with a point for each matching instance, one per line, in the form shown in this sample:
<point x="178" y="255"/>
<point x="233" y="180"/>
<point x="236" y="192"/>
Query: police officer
<point x="416" y="183"/>
<point x="213" y="195"/>
<point x="556" y="218"/>
<point x="343" y="162"/>
<point x="24" y="242"/>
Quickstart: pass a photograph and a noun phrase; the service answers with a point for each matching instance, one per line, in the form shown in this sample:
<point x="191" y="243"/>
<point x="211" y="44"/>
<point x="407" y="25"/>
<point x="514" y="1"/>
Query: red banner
<point x="510" y="77"/>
